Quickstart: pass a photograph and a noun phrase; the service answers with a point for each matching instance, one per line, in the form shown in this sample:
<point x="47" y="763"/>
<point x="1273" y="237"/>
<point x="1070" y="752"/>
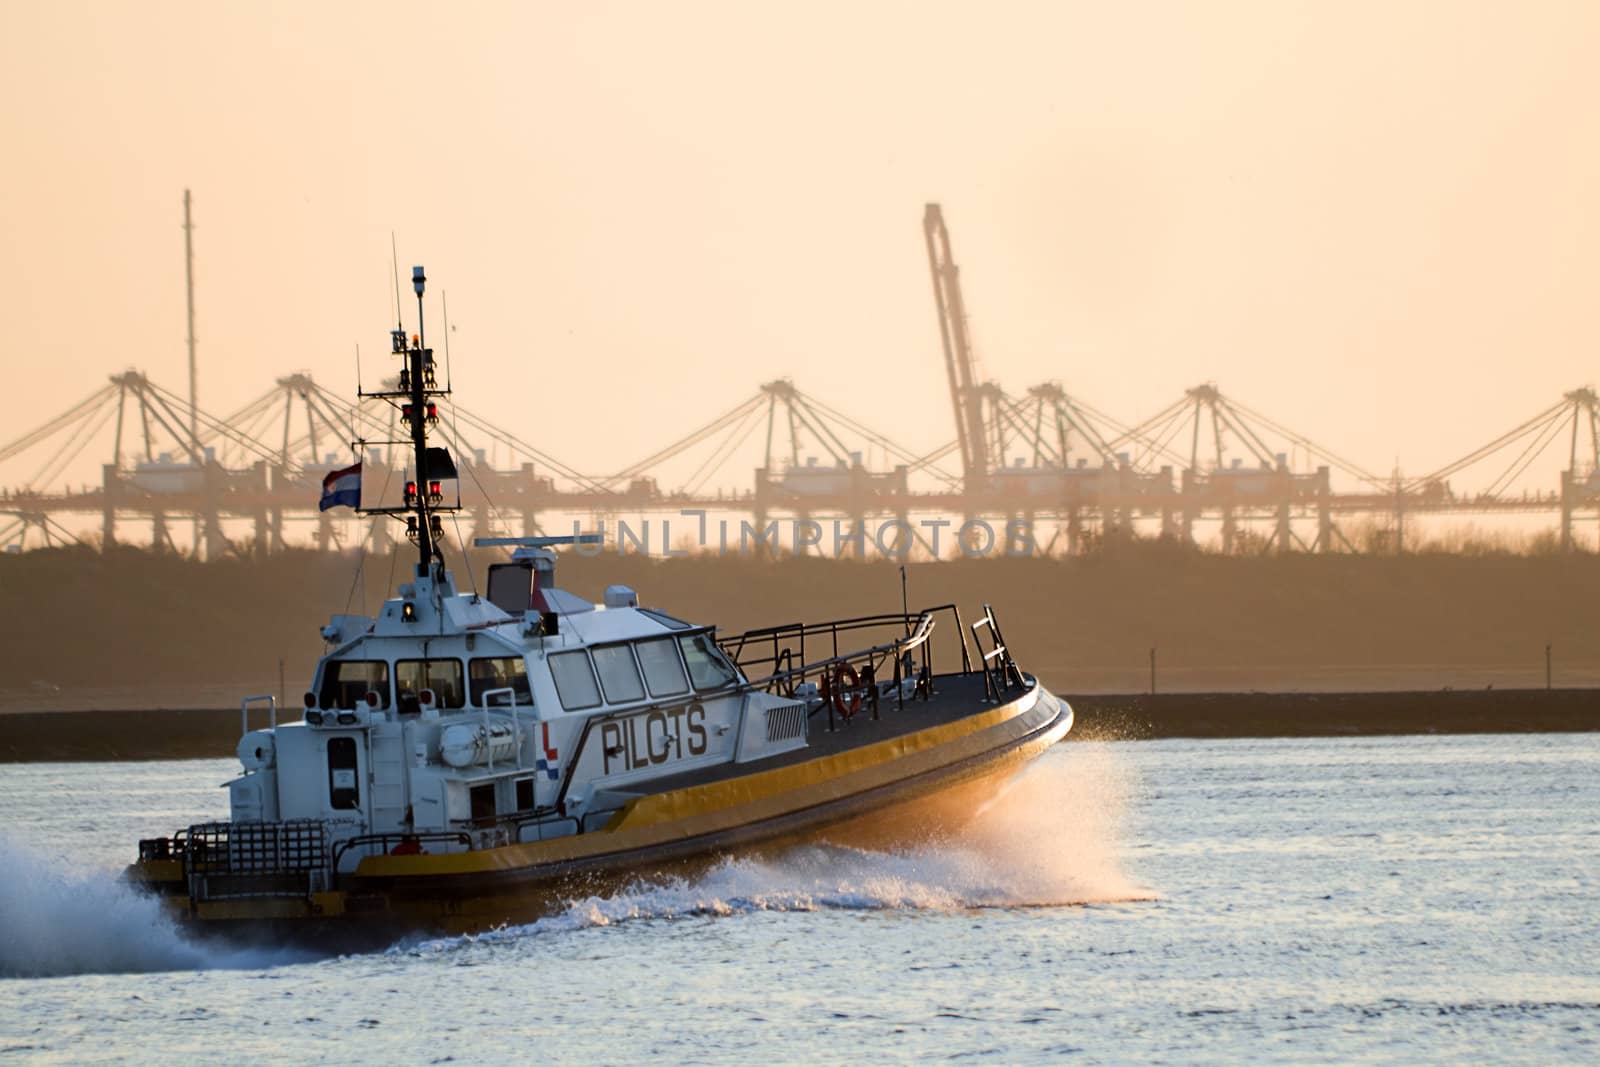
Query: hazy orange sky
<point x="1377" y="222"/>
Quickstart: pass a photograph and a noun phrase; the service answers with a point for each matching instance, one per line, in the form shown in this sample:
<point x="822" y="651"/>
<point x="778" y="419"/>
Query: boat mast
<point x="414" y="394"/>
<point x="421" y="366"/>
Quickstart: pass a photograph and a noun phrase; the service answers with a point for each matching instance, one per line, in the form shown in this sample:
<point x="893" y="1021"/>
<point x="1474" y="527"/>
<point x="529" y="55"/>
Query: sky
<point x="1376" y="222"/>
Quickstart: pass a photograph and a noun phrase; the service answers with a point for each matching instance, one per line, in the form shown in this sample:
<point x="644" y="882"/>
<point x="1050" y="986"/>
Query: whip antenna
<point x="444" y="298"/>
<point x="394" y="256"/>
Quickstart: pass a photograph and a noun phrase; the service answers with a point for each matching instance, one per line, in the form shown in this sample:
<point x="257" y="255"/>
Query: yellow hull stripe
<point x="696" y="809"/>
<point x="700" y="799"/>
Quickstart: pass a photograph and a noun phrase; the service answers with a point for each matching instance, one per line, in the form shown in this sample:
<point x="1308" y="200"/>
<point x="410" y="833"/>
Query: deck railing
<point x="1000" y="671"/>
<point x="769" y="655"/>
<point x="385" y="843"/>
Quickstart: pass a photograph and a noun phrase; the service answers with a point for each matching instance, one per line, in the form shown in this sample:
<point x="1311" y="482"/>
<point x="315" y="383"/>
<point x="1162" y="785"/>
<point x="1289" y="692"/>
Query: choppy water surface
<point x="1388" y="899"/>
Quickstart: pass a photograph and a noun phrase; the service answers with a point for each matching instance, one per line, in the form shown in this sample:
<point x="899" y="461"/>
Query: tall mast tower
<point x="966" y="393"/>
<point x="188" y="276"/>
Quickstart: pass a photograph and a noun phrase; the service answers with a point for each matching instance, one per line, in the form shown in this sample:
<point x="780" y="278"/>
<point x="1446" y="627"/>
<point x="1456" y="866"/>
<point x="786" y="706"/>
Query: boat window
<point x="344" y="790"/>
<point x="708" y="667"/>
<point x="574" y="680"/>
<point x="618" y="676"/>
<point x="443" y="676"/>
<point x="499" y="672"/>
<point x="511" y="587"/>
<point x="345" y="683"/>
<point x="664" y="619"/>
<point x="663" y="670"/>
<point x="524" y="794"/>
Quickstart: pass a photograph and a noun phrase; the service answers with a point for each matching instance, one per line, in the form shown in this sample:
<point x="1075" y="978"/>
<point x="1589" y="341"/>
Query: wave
<point x="54" y="922"/>
<point x="1052" y="838"/>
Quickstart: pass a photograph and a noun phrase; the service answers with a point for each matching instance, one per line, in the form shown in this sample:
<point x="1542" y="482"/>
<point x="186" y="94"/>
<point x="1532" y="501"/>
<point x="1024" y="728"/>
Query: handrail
<point x="914" y="639"/>
<point x="784" y="661"/>
<point x="516" y="725"/>
<point x="423" y="837"/>
<point x="540" y="817"/>
<point x="900" y="649"/>
<point x="734" y="645"/>
<point x="244" y="711"/>
<point x="1007" y="670"/>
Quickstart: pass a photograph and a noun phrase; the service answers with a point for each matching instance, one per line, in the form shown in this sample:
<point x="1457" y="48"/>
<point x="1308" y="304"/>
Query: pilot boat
<point x="463" y="761"/>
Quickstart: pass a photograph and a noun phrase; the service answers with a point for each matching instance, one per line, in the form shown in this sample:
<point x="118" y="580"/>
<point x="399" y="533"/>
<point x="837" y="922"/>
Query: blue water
<point x="1291" y="901"/>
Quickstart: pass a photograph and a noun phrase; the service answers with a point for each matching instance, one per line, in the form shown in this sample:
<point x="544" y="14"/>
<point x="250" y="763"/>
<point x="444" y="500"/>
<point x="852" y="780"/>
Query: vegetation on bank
<point x="151" y="622"/>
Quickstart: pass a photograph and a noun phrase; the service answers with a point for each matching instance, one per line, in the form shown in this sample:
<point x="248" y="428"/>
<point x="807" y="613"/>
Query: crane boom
<point x="965" y="397"/>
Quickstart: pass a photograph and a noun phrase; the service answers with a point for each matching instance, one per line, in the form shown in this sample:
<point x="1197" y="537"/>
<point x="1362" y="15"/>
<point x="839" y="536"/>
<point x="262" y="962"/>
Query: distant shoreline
<point x="1145" y="717"/>
<point x="170" y="734"/>
<point x="170" y="632"/>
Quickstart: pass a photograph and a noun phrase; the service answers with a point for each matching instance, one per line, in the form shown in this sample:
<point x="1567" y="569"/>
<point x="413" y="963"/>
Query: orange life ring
<point x="846" y="709"/>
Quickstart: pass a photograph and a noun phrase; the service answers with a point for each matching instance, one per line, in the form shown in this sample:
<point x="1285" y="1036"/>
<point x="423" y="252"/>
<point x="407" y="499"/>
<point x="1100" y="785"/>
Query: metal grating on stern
<point x="257" y="847"/>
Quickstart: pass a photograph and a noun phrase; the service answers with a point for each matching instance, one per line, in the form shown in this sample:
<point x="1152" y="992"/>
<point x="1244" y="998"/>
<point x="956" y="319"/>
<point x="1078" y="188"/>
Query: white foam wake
<point x="1050" y="839"/>
<point x="53" y="922"/>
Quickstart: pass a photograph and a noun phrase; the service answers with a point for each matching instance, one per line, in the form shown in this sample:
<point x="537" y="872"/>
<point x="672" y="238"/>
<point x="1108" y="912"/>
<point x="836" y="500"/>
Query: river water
<point x="1414" y="899"/>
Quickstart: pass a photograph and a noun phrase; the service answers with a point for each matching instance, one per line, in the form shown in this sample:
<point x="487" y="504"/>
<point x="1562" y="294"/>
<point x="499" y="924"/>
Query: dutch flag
<point x="341" y="489"/>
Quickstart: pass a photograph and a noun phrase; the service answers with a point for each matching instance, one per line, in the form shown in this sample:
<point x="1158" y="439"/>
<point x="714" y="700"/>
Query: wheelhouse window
<point x="511" y="587"/>
<point x="344" y="788"/>
<point x="499" y="672"/>
<point x="663" y="670"/>
<point x="708" y="667"/>
<point x="619" y="678"/>
<point x="443" y="676"/>
<point x="574" y="679"/>
<point x="346" y="683"/>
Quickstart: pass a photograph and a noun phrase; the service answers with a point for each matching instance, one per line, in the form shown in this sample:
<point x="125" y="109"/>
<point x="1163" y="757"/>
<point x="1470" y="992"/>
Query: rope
<point x="455" y="520"/>
<point x="361" y="562"/>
